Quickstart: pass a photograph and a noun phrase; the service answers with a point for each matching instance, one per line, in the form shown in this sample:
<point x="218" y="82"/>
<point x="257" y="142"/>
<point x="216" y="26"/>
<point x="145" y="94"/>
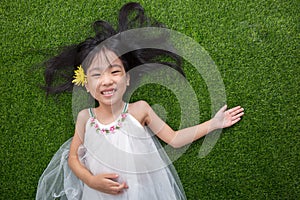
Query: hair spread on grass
<point x="131" y="16"/>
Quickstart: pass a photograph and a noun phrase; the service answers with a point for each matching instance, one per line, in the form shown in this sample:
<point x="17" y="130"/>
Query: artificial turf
<point x="255" y="46"/>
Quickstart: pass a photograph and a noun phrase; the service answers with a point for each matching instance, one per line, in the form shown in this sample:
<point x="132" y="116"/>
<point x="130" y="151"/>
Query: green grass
<point x="255" y="45"/>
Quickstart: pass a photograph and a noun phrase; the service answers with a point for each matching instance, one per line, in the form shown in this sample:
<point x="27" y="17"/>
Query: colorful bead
<point x="112" y="128"/>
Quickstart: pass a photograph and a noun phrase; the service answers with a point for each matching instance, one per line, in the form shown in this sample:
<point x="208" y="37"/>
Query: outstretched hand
<point x="106" y="183"/>
<point x="225" y="118"/>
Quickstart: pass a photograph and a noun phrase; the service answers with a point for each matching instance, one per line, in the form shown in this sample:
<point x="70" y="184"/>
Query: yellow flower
<point x="79" y="77"/>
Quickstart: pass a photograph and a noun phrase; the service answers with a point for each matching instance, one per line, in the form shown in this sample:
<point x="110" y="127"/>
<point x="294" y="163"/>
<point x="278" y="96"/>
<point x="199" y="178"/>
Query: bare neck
<point x="110" y="110"/>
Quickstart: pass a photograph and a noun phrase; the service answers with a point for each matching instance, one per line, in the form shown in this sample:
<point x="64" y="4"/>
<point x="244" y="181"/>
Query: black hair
<point x="131" y="16"/>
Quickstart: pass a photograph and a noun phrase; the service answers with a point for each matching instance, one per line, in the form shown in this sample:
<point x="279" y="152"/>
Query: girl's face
<point x="106" y="78"/>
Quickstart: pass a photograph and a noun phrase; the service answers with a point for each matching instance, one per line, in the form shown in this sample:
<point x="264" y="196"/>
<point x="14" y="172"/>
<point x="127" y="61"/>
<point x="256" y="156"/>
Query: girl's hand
<point x="105" y="183"/>
<point x="226" y="118"/>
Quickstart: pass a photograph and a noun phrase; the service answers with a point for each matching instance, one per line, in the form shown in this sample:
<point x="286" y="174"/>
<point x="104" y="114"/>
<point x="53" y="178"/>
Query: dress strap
<point x="125" y="108"/>
<point x="91" y="112"/>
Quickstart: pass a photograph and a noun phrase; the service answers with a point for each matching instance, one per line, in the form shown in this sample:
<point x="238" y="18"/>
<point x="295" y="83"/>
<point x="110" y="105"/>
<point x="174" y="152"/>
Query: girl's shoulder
<point x="83" y="116"/>
<point x="138" y="106"/>
<point x="139" y="110"/>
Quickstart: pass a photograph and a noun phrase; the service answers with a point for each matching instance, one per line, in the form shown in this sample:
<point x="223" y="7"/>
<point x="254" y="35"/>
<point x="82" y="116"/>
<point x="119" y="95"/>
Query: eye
<point x="116" y="71"/>
<point x="96" y="75"/>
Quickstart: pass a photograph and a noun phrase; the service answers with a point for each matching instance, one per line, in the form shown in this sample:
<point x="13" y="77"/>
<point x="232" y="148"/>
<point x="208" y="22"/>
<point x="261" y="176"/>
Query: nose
<point x="105" y="79"/>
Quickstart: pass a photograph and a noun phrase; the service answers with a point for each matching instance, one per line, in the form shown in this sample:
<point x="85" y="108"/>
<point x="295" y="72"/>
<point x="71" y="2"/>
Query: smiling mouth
<point x="108" y="92"/>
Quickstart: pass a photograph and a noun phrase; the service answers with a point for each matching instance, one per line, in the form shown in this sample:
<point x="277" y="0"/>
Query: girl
<point x="114" y="153"/>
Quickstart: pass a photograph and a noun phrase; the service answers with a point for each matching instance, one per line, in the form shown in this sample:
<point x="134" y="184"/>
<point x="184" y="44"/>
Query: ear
<point x="127" y="79"/>
<point x="87" y="87"/>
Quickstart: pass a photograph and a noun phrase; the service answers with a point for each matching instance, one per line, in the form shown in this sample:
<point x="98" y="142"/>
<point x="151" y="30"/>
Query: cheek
<point x="123" y="82"/>
<point x="92" y="84"/>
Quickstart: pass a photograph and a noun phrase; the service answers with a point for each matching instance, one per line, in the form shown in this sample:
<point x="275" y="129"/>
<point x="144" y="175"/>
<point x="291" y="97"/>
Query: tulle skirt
<point x="58" y="181"/>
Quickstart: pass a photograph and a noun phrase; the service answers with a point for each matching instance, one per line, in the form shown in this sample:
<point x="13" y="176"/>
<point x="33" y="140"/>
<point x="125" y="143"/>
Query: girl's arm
<point x="100" y="182"/>
<point x="223" y="118"/>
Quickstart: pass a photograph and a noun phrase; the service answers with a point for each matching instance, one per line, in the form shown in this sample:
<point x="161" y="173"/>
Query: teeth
<point x="108" y="92"/>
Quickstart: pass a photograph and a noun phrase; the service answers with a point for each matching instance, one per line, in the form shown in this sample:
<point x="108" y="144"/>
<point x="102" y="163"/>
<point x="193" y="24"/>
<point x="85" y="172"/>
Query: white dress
<point x="123" y="147"/>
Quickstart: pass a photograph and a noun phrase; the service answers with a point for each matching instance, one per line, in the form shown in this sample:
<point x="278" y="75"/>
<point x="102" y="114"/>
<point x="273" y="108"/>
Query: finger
<point x="223" y="109"/>
<point x="240" y="114"/>
<point x="113" y="183"/>
<point x="236" y="120"/>
<point x="237" y="116"/>
<point x="120" y="186"/>
<point x="110" y="176"/>
<point x="125" y="186"/>
<point x="236" y="110"/>
<point x="115" y="192"/>
<point x="119" y="189"/>
<point x="111" y="179"/>
<point x="231" y="110"/>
